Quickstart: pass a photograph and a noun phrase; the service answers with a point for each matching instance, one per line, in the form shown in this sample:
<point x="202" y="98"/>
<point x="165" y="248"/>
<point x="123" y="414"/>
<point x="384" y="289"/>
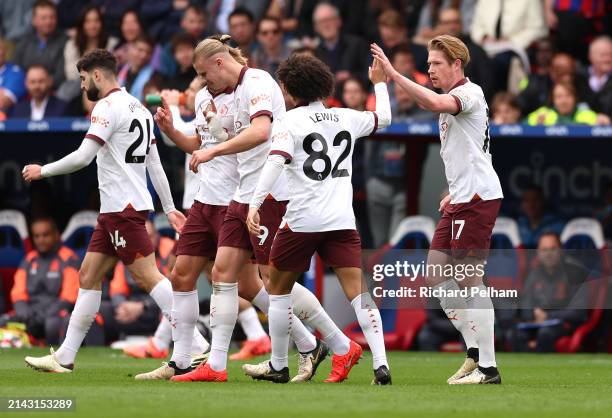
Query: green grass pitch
<point x="533" y="386"/>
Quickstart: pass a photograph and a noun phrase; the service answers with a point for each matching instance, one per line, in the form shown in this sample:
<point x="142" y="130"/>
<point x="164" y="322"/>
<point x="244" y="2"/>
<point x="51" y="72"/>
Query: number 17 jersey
<point x="317" y="144"/>
<point x="124" y="128"/>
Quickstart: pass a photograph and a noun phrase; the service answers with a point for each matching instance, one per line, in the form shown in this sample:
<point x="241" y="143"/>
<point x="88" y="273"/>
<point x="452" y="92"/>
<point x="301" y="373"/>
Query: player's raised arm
<point x="425" y="98"/>
<point x="383" y="106"/>
<point x="164" y="119"/>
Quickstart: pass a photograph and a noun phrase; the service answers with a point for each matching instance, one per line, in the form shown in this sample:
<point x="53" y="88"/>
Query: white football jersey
<point x="466" y="145"/>
<point x="219" y="177"/>
<point x="318" y="144"/>
<point x="124" y="128"/>
<point x="256" y="94"/>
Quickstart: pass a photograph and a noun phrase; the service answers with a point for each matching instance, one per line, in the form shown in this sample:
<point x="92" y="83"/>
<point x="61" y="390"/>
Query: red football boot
<point x="202" y="373"/>
<point x="342" y="365"/>
<point x="253" y="348"/>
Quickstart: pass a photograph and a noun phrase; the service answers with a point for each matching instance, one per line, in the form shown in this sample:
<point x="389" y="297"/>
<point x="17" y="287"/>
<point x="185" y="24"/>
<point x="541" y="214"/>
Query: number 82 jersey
<point x="317" y="144"/>
<point x="124" y="129"/>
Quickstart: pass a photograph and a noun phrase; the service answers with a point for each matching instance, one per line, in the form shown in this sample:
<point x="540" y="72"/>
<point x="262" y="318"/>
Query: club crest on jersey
<point x="223" y="110"/>
<point x="443" y="129"/>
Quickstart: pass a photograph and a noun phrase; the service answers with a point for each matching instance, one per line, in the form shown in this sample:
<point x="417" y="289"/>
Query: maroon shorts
<point x="234" y="232"/>
<point x="292" y="251"/>
<point x="122" y="234"/>
<point x="200" y="233"/>
<point x="465" y="228"/>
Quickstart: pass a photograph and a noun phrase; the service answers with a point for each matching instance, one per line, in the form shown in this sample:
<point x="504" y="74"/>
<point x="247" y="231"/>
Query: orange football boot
<point x="253" y="348"/>
<point x="147" y="350"/>
<point x="202" y="373"/>
<point x="342" y="365"/>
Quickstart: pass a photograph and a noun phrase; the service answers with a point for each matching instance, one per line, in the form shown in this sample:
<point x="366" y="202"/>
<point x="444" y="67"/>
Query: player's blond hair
<point x="216" y="44"/>
<point x="452" y="47"/>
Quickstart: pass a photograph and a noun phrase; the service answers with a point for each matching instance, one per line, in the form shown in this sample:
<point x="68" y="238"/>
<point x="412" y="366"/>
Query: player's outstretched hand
<point x="199" y="157"/>
<point x="376" y="73"/>
<point x="32" y="172"/>
<point x="379" y="55"/>
<point x="177" y="220"/>
<point x="163" y="117"/>
<point x="444" y="202"/>
<point x="252" y="221"/>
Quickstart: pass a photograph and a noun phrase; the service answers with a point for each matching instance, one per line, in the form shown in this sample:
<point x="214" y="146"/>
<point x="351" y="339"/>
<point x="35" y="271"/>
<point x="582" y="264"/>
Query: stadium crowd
<point x="531" y="71"/>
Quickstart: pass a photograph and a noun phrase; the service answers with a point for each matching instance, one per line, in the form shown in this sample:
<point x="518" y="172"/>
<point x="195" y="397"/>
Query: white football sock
<point x="223" y="315"/>
<point x="187" y="312"/>
<point x="162" y="295"/>
<point x="368" y="316"/>
<point x="83" y="315"/>
<point x="249" y="321"/>
<point x="163" y="334"/>
<point x="303" y="339"/>
<point x="307" y="306"/>
<point x="280" y="319"/>
<point x="482" y="316"/>
<point x="455" y="309"/>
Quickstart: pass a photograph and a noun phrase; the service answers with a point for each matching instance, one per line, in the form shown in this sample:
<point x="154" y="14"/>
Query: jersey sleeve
<point x="364" y="123"/>
<point x="102" y="123"/>
<point x="282" y="140"/>
<point x="465" y="100"/>
<point x="259" y="96"/>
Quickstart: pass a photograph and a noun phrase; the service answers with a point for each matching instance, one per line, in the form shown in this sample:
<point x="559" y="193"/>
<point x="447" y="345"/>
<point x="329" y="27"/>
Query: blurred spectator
<point x="429" y="19"/>
<point x="44" y="45"/>
<point x="183" y="45"/>
<point x="15" y="18"/>
<point x="576" y="22"/>
<point x="272" y="50"/>
<point x="295" y="16"/>
<point x="565" y="110"/>
<point x="355" y="96"/>
<point x="505" y="109"/>
<point x="132" y="29"/>
<point x="90" y="35"/>
<point x="551" y="299"/>
<point x="437" y="329"/>
<point x="479" y="67"/>
<point x="403" y="61"/>
<point x="506" y="28"/>
<point x="346" y="55"/>
<point x="599" y="74"/>
<point x="534" y="219"/>
<point x="536" y="88"/>
<point x="393" y="32"/>
<point x="138" y="70"/>
<point x="80" y="106"/>
<point x="46" y="284"/>
<point x="114" y="11"/>
<point x="242" y="29"/>
<point x="221" y="10"/>
<point x="12" y="86"/>
<point x="131" y="309"/>
<point x="40" y="102"/>
<point x="193" y="23"/>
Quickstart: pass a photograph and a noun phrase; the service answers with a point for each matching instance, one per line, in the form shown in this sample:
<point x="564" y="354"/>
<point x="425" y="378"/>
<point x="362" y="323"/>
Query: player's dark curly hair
<point x="99" y="58"/>
<point x="306" y="78"/>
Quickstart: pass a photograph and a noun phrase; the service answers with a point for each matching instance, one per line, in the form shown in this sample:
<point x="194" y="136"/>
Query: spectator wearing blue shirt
<point x="12" y="86"/>
<point x="534" y="220"/>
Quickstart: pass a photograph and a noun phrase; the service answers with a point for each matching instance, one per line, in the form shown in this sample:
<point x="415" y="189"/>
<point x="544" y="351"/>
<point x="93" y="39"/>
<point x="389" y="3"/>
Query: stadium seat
<point x="14" y="244"/>
<point x="401" y="323"/>
<point x="163" y="226"/>
<point x="507" y="262"/>
<point x="587" y="234"/>
<point x="78" y="232"/>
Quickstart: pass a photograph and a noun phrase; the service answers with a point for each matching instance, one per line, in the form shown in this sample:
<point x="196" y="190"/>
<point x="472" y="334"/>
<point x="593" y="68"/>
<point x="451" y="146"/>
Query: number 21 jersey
<point x="318" y="143"/>
<point x="124" y="128"/>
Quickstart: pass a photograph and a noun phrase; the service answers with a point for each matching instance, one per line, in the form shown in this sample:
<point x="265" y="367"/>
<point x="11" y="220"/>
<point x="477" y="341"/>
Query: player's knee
<point x="86" y="277"/>
<point x="182" y="279"/>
